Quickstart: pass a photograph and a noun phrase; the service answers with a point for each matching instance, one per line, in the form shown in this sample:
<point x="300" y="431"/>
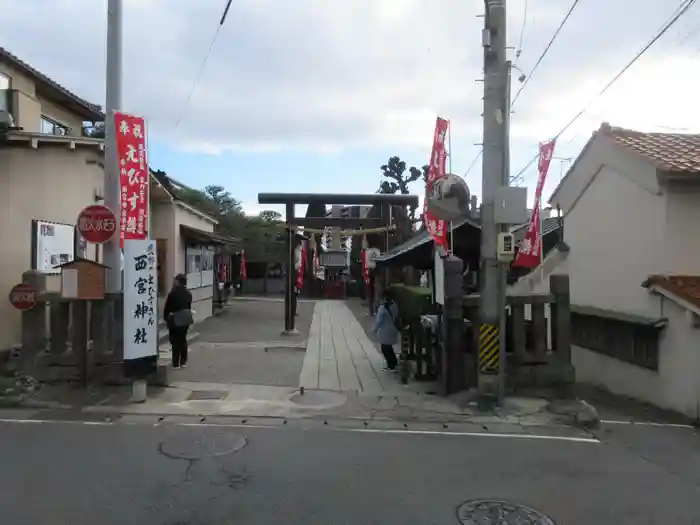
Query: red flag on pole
<point x="133" y="176"/>
<point x="302" y="266"/>
<point x="365" y="270"/>
<point x="437" y="168"/>
<point x="530" y="249"/>
<point x="244" y="273"/>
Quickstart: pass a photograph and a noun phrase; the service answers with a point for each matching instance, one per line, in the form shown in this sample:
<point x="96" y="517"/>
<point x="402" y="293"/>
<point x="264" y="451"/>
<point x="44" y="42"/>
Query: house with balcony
<point x="631" y="209"/>
<point x="51" y="167"/>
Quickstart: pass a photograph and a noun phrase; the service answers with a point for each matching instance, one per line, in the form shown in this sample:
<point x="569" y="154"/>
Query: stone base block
<point x="113" y="374"/>
<point x="558" y="379"/>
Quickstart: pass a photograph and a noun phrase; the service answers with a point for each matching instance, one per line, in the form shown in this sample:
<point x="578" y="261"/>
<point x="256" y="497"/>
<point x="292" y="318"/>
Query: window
<point x="51" y="127"/>
<point x="199" y="266"/>
<point x="4" y="92"/>
<point x="631" y="342"/>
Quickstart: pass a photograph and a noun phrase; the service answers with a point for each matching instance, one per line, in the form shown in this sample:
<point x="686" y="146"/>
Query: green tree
<point x="270" y="216"/>
<point x="399" y="180"/>
<point x="223" y="202"/>
<point x="264" y="239"/>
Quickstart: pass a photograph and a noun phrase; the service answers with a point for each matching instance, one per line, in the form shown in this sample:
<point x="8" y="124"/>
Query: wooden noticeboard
<point x="83" y="279"/>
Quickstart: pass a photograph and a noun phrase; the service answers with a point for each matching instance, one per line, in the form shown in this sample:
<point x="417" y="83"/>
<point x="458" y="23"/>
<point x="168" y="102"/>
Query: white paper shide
<point x="140" y="299"/>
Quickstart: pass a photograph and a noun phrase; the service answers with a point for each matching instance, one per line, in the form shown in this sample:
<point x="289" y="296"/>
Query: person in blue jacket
<point x="385" y="328"/>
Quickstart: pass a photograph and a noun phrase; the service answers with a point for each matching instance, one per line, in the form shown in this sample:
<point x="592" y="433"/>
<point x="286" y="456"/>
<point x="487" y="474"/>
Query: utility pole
<point x="112" y="249"/>
<point x="495" y="157"/>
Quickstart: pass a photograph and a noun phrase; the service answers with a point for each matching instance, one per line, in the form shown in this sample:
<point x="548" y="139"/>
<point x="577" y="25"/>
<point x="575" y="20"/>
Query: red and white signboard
<point x="530" y="249"/>
<point x="133" y="176"/>
<point x="23" y="297"/>
<point x="437" y="168"/>
<point x="97" y="224"/>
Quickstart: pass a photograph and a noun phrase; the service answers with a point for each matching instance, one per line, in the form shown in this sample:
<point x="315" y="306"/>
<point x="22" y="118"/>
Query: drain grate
<point x="206" y="395"/>
<point x="492" y="512"/>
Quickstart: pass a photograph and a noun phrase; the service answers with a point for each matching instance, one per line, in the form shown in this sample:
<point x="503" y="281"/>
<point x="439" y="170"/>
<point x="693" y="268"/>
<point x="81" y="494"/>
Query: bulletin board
<point x="53" y="244"/>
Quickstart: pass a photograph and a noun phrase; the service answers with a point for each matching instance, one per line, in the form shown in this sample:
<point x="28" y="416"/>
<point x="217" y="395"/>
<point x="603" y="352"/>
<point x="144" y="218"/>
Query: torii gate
<point x="293" y="223"/>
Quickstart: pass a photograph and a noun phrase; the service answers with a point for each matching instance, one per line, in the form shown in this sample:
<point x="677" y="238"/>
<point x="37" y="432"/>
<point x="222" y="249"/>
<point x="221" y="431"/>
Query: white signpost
<point x="140" y="311"/>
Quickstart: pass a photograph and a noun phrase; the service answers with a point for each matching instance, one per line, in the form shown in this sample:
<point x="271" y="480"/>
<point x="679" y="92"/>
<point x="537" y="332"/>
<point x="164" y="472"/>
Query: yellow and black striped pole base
<point x="489" y="348"/>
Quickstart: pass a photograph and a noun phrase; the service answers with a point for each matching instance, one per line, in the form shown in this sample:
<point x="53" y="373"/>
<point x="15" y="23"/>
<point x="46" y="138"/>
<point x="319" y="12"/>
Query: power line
<point x="539" y="60"/>
<point x="204" y="64"/>
<point x="680" y="11"/>
<point x="476" y="159"/>
<point x="546" y="50"/>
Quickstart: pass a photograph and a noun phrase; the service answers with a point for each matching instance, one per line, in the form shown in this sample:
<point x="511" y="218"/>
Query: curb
<point x="21" y="401"/>
<point x="575" y="412"/>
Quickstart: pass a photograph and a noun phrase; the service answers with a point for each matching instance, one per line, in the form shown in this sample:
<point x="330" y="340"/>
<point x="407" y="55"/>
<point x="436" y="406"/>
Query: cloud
<point x="330" y="74"/>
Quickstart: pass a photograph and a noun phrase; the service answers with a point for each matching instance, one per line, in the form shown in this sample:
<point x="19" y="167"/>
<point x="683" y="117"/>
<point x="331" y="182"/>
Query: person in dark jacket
<point x="178" y="302"/>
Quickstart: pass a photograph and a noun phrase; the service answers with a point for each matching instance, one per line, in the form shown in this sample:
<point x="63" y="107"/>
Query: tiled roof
<point x="549" y="225"/>
<point x="672" y="152"/>
<point x="21" y="64"/>
<point x="684" y="286"/>
<point x="421" y="238"/>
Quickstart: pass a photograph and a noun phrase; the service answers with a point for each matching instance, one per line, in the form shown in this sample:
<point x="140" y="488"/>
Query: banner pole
<point x="449" y="170"/>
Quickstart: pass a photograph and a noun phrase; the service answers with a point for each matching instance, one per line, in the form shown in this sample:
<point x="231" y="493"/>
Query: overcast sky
<point x="314" y="95"/>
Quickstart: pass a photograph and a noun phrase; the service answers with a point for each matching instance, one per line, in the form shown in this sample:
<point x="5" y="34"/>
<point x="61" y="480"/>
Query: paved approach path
<point x="340" y="356"/>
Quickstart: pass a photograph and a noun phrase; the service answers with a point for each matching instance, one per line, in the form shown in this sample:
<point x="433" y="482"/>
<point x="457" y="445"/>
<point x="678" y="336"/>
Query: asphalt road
<point x="60" y="473"/>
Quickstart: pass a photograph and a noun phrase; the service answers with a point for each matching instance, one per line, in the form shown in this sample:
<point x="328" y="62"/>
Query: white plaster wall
<point x="682" y="241"/>
<point x="616" y="233"/>
<point x="163" y="227"/>
<point x="51" y="183"/>
<point x="676" y="384"/>
<point x="622" y="227"/>
<point x="202" y="298"/>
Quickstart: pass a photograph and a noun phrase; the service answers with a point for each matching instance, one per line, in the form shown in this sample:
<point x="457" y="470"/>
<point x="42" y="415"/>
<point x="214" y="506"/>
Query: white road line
<point x="645" y="424"/>
<point x="335" y="429"/>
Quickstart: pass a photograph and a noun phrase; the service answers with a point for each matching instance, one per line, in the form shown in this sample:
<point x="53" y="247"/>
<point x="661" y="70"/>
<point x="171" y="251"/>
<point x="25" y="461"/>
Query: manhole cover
<point x="318" y="399"/>
<point x="495" y="512"/>
<point x="200" y="395"/>
<point x="193" y="444"/>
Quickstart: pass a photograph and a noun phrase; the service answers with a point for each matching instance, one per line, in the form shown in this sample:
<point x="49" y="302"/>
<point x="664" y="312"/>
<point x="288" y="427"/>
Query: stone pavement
<point x="340" y="356"/>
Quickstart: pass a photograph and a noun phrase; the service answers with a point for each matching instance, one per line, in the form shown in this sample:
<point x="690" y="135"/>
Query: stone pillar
<point x="34" y="321"/>
<point x="453" y="370"/>
<point x="114" y="305"/>
<point x="99" y="332"/>
<point x="561" y="318"/>
<point x="59" y="319"/>
<point x="80" y="339"/>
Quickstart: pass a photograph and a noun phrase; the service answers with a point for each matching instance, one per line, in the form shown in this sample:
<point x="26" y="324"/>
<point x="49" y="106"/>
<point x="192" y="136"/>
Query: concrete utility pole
<point x="495" y="156"/>
<point x="112" y="250"/>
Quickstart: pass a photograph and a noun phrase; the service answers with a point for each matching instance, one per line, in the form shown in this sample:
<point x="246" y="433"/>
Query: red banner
<point x="365" y="270"/>
<point x="133" y="176"/>
<point x="530" y="249"/>
<point x="223" y="272"/>
<point x="244" y="271"/>
<point x="302" y="266"/>
<point x="437" y="168"/>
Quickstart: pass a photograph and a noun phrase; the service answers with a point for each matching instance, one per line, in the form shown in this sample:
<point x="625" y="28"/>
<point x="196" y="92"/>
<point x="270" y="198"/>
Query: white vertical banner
<point x="140" y="299"/>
